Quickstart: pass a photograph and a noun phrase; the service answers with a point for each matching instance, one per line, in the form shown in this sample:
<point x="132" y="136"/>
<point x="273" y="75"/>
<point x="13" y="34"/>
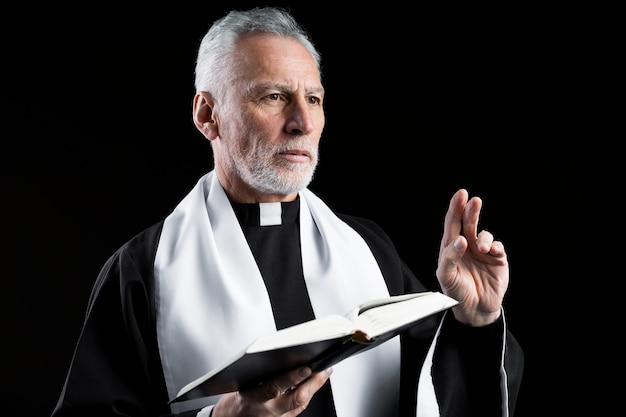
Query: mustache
<point x="300" y="144"/>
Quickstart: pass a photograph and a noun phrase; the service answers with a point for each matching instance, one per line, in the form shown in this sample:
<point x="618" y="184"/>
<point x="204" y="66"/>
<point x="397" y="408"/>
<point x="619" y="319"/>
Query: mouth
<point x="296" y="152"/>
<point x="296" y="155"/>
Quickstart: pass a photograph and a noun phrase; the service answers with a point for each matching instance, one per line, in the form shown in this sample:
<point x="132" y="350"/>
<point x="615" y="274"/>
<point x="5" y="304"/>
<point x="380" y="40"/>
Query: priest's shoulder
<point x="367" y="228"/>
<point x="139" y="250"/>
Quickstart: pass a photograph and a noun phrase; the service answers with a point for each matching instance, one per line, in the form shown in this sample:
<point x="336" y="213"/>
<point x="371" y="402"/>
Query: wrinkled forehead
<point x="272" y="56"/>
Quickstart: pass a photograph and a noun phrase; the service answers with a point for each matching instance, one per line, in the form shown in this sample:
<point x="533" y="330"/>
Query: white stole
<point x="212" y="301"/>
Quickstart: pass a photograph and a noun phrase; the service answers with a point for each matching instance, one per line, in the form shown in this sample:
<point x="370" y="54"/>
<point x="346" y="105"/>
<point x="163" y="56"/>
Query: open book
<point x="318" y="343"/>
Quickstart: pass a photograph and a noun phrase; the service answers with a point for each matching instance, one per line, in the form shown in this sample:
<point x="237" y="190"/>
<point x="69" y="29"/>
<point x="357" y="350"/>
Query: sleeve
<point x="471" y="371"/>
<point x="116" y="368"/>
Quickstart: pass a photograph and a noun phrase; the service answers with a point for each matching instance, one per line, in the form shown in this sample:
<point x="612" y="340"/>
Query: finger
<point x="298" y="399"/>
<point x="471" y="215"/>
<point x="497" y="249"/>
<point x="453" y="220"/>
<point x="484" y="241"/>
<point x="278" y="386"/>
<point x="448" y="261"/>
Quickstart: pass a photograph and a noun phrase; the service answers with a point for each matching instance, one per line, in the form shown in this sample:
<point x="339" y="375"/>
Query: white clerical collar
<point x="270" y="214"/>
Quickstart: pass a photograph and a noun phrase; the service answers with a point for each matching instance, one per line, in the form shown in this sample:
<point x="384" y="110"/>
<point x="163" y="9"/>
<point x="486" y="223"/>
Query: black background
<point x="523" y="105"/>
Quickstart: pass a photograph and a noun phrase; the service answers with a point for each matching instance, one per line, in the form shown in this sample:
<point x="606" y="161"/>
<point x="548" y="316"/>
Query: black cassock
<point x="116" y="369"/>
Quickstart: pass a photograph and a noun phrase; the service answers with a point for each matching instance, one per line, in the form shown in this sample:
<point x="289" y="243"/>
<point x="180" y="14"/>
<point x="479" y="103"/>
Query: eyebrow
<point x="284" y="88"/>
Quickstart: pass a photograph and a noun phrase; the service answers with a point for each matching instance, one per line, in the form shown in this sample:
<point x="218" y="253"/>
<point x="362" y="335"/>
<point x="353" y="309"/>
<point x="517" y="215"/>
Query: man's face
<point x="271" y="121"/>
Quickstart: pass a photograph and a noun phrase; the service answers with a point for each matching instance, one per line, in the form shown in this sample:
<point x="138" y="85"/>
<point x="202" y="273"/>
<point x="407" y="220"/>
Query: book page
<point x="323" y="328"/>
<point x="378" y="320"/>
<point x="356" y="311"/>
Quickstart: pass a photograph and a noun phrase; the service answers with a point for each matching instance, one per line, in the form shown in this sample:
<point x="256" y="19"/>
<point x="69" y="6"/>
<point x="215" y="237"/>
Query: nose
<point x="301" y="120"/>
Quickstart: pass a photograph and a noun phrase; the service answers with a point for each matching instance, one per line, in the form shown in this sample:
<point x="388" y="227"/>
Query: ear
<point x="204" y="116"/>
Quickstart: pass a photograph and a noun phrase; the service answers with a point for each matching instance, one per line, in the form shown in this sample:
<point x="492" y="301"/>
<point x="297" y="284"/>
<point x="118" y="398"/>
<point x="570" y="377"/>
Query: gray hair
<point x="214" y="59"/>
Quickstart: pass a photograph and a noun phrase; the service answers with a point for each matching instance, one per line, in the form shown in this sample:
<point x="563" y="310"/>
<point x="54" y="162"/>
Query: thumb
<point x="450" y="256"/>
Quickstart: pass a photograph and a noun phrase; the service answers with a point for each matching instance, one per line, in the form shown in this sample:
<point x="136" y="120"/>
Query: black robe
<point x="116" y="369"/>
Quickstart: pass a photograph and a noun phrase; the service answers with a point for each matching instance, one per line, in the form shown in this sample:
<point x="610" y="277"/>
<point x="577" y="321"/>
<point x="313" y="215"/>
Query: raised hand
<point x="472" y="267"/>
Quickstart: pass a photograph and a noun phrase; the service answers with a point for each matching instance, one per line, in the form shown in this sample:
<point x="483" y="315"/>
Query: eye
<point x="314" y="100"/>
<point x="273" y="96"/>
